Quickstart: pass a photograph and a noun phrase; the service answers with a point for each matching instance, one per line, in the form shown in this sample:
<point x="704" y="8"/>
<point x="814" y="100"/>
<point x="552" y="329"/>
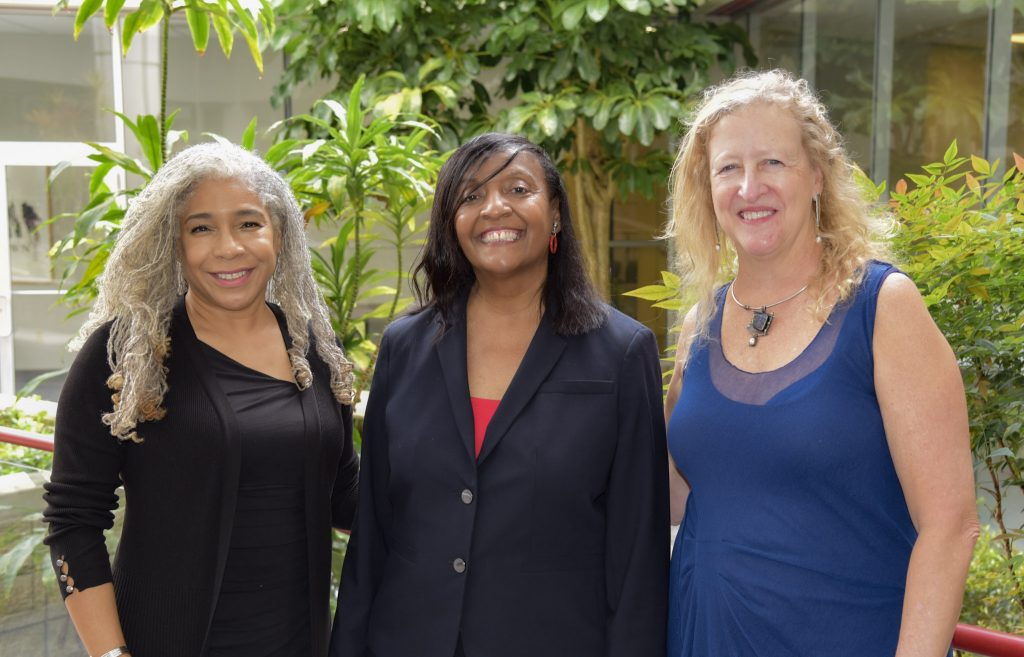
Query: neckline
<point x="717" y="332"/>
<point x="242" y="366"/>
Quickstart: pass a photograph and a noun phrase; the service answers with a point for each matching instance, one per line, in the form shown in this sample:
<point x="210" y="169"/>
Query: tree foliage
<point x="596" y="82"/>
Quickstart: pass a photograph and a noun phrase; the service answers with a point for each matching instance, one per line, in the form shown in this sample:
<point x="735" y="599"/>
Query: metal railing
<point x="969" y="638"/>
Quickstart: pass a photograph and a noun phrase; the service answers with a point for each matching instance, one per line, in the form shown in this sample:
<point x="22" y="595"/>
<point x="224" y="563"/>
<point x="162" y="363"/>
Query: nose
<point x="227" y="245"/>
<point x="750" y="185"/>
<point x="494" y="204"/>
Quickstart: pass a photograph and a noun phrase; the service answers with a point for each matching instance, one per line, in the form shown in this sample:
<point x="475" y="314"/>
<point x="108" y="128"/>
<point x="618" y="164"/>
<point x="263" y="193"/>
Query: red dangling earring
<point x="553" y="240"/>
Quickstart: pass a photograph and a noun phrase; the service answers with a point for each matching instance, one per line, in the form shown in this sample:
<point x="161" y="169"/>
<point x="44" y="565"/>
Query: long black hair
<point x="444" y="275"/>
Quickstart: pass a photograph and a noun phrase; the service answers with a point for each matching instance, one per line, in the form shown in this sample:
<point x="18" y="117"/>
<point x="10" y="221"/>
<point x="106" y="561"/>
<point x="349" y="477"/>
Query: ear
<point x="819" y="180"/>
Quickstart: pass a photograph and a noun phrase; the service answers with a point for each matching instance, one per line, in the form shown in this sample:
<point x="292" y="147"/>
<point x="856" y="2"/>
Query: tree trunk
<point x="591" y="192"/>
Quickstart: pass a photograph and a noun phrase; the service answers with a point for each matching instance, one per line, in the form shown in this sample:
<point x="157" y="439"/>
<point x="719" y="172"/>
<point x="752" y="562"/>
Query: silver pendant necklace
<point x="761" y="320"/>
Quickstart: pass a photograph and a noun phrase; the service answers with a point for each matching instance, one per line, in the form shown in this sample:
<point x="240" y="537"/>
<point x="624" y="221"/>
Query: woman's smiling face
<point x="506" y="216"/>
<point x="762" y="181"/>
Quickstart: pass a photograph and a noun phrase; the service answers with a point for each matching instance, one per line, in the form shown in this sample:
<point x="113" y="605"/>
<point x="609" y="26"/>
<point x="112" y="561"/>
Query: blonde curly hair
<point x="852" y="231"/>
<point x="143" y="280"/>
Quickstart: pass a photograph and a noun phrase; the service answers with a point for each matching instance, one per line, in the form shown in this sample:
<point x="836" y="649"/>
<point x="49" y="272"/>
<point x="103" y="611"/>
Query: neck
<point x="762" y="281"/>
<point x="211" y="321"/>
<point x="506" y="301"/>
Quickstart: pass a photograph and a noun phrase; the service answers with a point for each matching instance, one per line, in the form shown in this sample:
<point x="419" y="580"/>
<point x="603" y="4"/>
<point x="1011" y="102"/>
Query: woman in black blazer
<point x="513" y="498"/>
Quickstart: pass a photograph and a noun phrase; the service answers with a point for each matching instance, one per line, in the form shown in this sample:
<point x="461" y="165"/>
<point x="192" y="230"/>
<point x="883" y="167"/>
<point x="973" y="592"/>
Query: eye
<point x="198" y="228"/>
<point x="773" y="162"/>
<point x="520" y="189"/>
<point x="728" y="168"/>
<point x="251" y="224"/>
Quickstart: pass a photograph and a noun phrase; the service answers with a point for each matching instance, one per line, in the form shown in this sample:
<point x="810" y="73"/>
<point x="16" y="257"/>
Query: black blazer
<point x="553" y="543"/>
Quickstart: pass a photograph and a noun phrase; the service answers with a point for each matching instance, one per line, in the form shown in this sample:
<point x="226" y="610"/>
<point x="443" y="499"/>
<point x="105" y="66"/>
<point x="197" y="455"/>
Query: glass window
<point x="214" y="94"/>
<point x="637" y="259"/>
<point x="776" y="34"/>
<point x="844" y="71"/>
<point x="41" y="326"/>
<point x="53" y="88"/>
<point x="938" y="81"/>
<point x="1015" y="129"/>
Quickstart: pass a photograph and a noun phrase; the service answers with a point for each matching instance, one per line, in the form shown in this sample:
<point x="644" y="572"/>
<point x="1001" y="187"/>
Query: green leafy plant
<point x="370" y="177"/>
<point x="118" y="177"/>
<point x="596" y="82"/>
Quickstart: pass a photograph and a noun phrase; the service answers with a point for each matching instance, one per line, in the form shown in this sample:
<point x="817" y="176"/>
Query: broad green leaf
<point x="597" y="10"/>
<point x="980" y="165"/>
<point x="572" y="14"/>
<point x="627" y="119"/>
<point x="85" y="11"/>
<point x="199" y="26"/>
<point x="548" y="119"/>
<point x="671" y="280"/>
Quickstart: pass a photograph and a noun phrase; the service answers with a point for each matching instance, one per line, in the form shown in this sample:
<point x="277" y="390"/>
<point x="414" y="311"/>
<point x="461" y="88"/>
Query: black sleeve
<point x="367" y="548"/>
<point x="80" y="496"/>
<point x="346" y="483"/>
<point x="637" y="540"/>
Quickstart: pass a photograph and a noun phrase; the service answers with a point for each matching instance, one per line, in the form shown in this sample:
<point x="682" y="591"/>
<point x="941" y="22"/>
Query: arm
<point x="679" y="490"/>
<point x="921" y="397"/>
<point x="81" y="496"/>
<point x="637" y="537"/>
<point x="345" y="494"/>
<point x="367" y="548"/>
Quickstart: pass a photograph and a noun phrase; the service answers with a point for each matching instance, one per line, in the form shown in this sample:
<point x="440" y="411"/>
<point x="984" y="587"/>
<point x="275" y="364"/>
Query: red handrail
<point x="971" y="638"/>
<point x="26" y="438"/>
<point x="986" y="642"/>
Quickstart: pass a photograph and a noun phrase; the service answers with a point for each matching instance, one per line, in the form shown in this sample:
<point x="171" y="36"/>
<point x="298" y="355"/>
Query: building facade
<point x="902" y="78"/>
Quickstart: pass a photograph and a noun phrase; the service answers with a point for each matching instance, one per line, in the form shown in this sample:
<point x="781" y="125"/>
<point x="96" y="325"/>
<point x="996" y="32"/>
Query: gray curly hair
<point x="143" y="279"/>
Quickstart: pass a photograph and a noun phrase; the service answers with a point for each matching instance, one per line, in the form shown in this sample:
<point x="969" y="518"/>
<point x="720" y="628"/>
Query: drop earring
<point x="817" y="218"/>
<point x="718" y="239"/>
<point x="553" y="240"/>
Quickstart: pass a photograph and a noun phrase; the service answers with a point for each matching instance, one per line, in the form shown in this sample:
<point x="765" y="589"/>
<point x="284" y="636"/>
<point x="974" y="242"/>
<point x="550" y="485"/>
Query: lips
<point x="231" y="278"/>
<point x="755" y="215"/>
<point x="501" y="236"/>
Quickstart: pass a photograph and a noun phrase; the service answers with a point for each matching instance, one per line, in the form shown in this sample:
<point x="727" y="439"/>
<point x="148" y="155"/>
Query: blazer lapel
<point x="544" y="351"/>
<point x="451" y="353"/>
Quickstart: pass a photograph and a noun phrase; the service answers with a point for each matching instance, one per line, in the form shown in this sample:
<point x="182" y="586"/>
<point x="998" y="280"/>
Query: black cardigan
<point x="180" y="486"/>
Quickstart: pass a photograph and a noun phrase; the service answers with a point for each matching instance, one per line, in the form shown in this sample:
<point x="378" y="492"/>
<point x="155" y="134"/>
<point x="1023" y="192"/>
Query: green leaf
<point x="199" y="26"/>
<point x="85" y="10"/>
<point x="980" y="165"/>
<point x="627" y="119"/>
<point x="249" y="135"/>
<point x="225" y="33"/>
<point x="572" y="15"/>
<point x="149" y="140"/>
<point x="111" y="10"/>
<point x="651" y="292"/>
<point x="950" y="153"/>
<point x="597" y="10"/>
<point x="548" y="119"/>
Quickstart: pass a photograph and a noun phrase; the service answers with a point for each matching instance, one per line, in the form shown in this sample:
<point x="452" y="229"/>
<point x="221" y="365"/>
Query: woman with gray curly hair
<point x="816" y="417"/>
<point x="210" y="384"/>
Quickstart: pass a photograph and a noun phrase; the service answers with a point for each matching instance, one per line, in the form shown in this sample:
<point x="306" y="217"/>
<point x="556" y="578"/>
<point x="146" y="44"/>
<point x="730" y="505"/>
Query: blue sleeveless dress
<point x="797" y="536"/>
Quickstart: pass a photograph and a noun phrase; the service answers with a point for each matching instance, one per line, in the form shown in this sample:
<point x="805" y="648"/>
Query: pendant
<point x="759" y="324"/>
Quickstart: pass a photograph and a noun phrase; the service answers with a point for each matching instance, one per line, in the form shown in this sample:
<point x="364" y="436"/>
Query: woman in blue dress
<point x="817" y="422"/>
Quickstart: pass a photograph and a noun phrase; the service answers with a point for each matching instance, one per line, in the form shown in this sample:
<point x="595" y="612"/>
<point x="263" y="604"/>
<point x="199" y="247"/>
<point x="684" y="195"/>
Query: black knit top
<point x="181" y="489"/>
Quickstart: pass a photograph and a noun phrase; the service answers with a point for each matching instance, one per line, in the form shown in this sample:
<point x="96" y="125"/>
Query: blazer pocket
<point x="578" y="387"/>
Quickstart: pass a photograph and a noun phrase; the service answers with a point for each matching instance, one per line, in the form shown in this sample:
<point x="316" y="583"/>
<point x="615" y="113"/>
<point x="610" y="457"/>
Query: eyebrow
<point x="241" y="212"/>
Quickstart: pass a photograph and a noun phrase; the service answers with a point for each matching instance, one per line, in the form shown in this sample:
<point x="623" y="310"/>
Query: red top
<point x="483" y="411"/>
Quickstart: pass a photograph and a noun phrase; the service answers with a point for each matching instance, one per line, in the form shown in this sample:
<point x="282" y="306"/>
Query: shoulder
<point x="413" y="327"/>
<point x="620" y="334"/>
<point x="94" y="349"/>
